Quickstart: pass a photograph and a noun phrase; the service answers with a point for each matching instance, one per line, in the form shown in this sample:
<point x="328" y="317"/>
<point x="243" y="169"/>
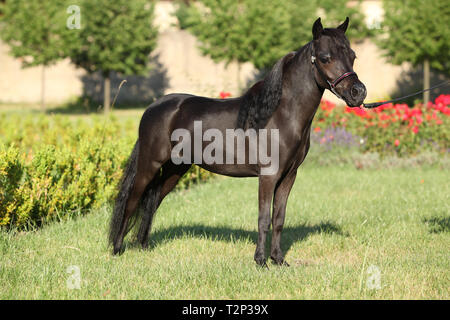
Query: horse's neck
<point x="301" y="92"/>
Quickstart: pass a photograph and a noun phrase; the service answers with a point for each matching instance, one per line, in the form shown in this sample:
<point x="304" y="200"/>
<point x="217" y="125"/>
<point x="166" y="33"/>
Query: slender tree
<point x="33" y="29"/>
<point x="417" y="31"/>
<point x="114" y="36"/>
<point x="256" y="31"/>
<point x="260" y="31"/>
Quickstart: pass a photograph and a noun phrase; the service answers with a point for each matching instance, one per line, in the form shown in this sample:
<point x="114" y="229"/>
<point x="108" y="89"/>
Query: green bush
<point x="52" y="168"/>
<point x="11" y="172"/>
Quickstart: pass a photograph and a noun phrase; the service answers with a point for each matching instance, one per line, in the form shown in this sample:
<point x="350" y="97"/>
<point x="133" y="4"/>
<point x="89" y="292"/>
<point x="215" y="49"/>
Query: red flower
<point x="443" y="99"/>
<point x="397" y="142"/>
<point x="415" y="129"/>
<point x="317" y="129"/>
<point x="224" y="95"/>
<point x="419" y="119"/>
<point x="327" y="105"/>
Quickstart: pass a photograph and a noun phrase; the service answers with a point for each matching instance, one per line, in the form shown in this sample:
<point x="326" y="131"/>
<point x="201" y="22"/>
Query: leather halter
<point x="334" y="83"/>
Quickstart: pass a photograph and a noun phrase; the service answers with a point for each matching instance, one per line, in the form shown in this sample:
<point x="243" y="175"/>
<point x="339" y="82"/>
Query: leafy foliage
<point x="11" y="171"/>
<point x="242" y="31"/>
<point x="34" y="29"/>
<point x="52" y="168"/>
<point x="415" y="31"/>
<point x="114" y="36"/>
<point x="261" y="31"/>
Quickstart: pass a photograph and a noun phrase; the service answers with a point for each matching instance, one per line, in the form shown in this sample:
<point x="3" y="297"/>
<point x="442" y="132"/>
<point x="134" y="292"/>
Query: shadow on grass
<point x="290" y="234"/>
<point x="437" y="224"/>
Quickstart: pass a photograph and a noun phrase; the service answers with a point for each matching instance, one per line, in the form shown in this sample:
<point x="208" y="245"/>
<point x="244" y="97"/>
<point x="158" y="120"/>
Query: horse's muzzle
<point x="358" y="93"/>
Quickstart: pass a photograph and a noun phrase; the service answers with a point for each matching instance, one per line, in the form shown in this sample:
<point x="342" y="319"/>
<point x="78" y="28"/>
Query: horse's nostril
<point x="358" y="91"/>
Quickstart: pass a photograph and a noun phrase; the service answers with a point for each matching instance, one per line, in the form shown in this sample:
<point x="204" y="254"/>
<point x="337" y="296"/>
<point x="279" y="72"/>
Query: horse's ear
<point x="344" y="25"/>
<point x="317" y="29"/>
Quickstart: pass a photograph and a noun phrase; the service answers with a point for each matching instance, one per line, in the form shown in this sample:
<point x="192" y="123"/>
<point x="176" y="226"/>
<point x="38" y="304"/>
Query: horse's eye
<point x="324" y="58"/>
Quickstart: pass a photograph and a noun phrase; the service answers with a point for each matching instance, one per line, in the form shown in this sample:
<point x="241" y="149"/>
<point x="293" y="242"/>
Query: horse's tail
<point x="147" y="205"/>
<point x="125" y="188"/>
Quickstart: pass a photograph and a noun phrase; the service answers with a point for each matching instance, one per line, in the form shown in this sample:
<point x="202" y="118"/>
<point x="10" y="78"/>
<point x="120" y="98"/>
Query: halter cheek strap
<point x="334" y="83"/>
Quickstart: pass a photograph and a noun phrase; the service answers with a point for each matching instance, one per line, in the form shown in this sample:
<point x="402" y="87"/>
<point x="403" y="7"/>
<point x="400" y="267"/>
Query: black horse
<point x="285" y="102"/>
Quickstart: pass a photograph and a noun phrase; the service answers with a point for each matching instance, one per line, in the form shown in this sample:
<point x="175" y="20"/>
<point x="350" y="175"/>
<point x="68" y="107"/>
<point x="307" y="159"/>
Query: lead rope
<point x="377" y="104"/>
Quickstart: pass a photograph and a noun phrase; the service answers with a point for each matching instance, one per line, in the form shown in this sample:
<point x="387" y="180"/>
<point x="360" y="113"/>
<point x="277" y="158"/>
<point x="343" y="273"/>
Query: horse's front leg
<point x="265" y="194"/>
<point x="279" y="211"/>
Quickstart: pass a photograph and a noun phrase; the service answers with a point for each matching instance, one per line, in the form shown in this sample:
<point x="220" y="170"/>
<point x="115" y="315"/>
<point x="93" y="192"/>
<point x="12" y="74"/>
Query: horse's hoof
<point x="117" y="250"/>
<point x="280" y="262"/>
<point x="262" y="263"/>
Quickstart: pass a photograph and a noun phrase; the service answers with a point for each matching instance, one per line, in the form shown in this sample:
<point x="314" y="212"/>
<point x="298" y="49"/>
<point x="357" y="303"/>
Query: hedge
<point x="52" y="167"/>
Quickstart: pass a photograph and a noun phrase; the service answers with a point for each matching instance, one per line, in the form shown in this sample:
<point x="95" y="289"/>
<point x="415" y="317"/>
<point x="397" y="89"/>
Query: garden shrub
<point x="62" y="168"/>
<point x="11" y="172"/>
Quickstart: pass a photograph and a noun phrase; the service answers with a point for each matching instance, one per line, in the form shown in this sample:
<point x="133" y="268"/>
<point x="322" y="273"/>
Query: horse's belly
<point x="232" y="170"/>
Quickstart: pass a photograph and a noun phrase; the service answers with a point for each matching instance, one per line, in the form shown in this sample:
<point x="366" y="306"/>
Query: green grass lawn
<point x="348" y="234"/>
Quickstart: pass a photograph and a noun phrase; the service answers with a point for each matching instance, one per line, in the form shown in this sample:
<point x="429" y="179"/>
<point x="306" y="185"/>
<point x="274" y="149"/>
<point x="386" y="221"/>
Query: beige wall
<point x="24" y="85"/>
<point x="179" y="65"/>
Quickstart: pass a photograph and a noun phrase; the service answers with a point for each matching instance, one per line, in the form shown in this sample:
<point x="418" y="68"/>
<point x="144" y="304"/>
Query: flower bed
<point x="391" y="128"/>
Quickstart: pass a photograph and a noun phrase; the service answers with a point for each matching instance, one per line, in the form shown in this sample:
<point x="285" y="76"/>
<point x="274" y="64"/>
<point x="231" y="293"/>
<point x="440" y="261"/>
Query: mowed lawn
<point x="349" y="234"/>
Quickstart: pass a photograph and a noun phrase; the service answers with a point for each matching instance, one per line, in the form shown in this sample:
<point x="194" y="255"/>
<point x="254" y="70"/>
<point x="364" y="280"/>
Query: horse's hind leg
<point x="169" y="178"/>
<point x="145" y="173"/>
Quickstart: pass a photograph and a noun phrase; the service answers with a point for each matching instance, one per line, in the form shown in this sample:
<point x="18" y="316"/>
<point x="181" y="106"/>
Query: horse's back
<point x="179" y="110"/>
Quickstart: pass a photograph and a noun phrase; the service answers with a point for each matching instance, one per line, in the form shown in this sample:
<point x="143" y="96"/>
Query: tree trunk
<point x="107" y="93"/>
<point x="43" y="88"/>
<point x="426" y="81"/>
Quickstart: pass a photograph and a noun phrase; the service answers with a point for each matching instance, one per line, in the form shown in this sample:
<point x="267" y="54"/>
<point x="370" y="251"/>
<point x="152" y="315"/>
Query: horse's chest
<point x="301" y="148"/>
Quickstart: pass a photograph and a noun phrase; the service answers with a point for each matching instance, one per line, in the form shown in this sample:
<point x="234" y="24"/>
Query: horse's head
<point x="333" y="58"/>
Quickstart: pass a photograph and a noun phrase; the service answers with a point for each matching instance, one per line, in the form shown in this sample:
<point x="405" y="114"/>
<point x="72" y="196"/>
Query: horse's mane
<point x="263" y="98"/>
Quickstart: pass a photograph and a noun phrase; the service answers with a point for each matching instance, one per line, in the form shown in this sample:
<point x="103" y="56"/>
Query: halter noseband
<point x="334" y="83"/>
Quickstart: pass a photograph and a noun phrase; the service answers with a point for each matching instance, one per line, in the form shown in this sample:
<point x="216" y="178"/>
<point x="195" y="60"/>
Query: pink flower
<point x="419" y="119"/>
<point x="397" y="142"/>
